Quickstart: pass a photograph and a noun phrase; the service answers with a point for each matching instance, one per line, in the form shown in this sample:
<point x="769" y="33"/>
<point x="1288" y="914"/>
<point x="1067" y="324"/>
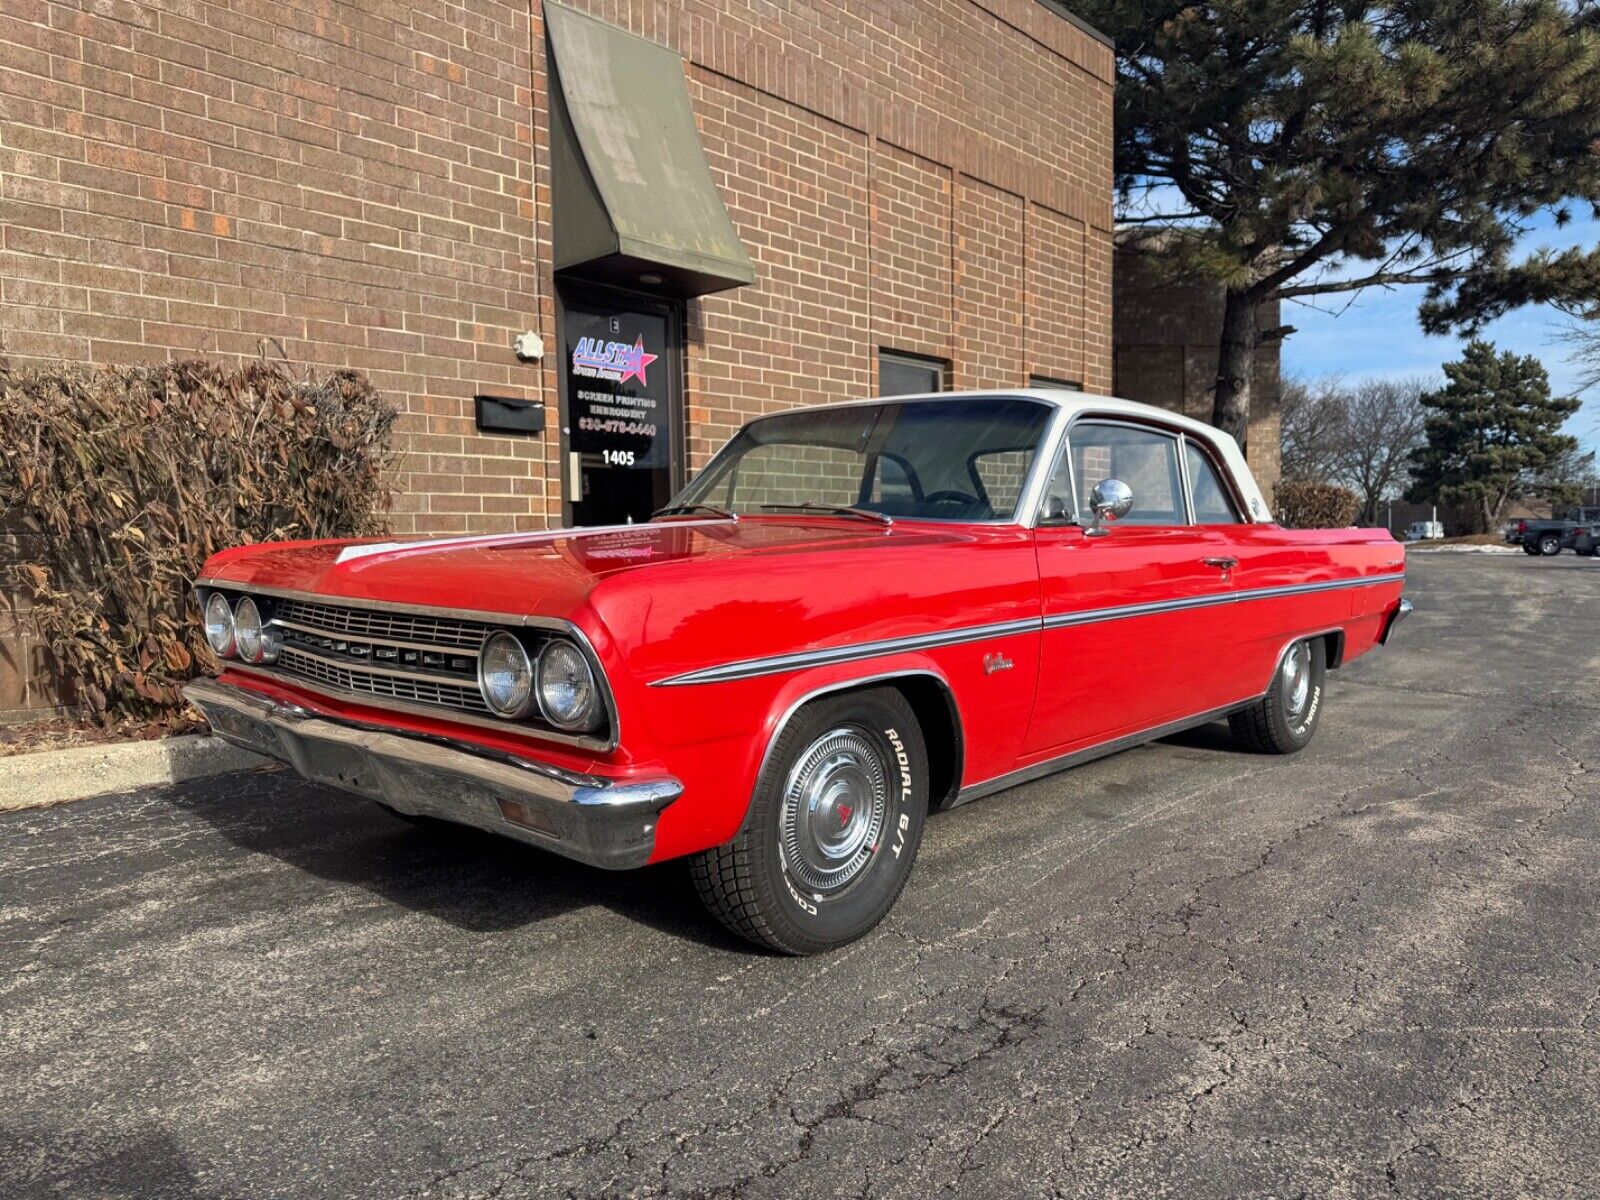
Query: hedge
<point x="135" y="475"/>
<point x="1300" y="504"/>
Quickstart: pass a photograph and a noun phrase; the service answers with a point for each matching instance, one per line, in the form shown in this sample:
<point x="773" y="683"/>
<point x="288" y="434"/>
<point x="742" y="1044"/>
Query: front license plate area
<point x="342" y="767"/>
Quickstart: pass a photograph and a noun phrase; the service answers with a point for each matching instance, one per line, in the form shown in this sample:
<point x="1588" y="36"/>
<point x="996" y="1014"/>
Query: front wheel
<point x="1549" y="544"/>
<point x="832" y="831"/>
<point x="1285" y="719"/>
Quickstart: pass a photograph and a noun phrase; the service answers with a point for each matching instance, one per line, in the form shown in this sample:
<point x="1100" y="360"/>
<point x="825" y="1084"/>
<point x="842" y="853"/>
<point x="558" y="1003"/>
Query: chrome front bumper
<point x="602" y="822"/>
<point x="1400" y="613"/>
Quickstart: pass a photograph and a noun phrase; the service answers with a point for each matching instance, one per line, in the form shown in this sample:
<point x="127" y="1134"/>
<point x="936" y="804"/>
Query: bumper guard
<point x="1400" y="613"/>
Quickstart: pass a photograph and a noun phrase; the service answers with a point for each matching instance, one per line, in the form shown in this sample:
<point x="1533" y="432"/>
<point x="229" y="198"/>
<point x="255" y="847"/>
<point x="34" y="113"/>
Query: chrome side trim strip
<point x="976" y="791"/>
<point x="1117" y="613"/>
<point x="750" y="668"/>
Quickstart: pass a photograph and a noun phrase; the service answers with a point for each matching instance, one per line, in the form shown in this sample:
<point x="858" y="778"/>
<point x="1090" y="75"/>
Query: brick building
<point x="370" y="185"/>
<point x="1166" y="337"/>
<point x="801" y="203"/>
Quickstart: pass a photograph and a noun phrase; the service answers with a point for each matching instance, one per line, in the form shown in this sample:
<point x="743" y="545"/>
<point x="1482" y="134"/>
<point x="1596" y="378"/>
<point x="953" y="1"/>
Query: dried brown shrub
<point x="1301" y="504"/>
<point x="134" y="476"/>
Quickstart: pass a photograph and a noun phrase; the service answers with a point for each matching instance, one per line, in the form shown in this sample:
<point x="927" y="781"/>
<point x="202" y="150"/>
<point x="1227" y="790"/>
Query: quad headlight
<point x="257" y="641"/>
<point x="219" y="625"/>
<point x="505" y="676"/>
<point x="568" y="694"/>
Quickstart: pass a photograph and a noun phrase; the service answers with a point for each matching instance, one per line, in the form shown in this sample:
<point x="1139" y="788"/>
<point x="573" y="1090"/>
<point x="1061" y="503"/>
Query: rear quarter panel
<point x="1273" y="557"/>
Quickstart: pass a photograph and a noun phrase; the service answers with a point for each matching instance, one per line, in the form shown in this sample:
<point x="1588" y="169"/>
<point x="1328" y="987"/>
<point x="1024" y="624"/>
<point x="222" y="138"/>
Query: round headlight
<point x="258" y="642"/>
<point x="505" y="676"/>
<point x="219" y="625"/>
<point x="568" y="696"/>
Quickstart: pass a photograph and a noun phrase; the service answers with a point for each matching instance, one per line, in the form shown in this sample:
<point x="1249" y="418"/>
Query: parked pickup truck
<point x="854" y="615"/>
<point x="1541" y="536"/>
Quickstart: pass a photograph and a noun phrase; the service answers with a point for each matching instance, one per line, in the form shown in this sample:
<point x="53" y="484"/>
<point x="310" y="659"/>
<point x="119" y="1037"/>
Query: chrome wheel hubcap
<point x="834" y="805"/>
<point x="1297" y="678"/>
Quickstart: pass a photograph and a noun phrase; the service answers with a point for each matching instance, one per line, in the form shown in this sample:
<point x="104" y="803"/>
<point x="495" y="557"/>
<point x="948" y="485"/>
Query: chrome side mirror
<point x="1109" y="500"/>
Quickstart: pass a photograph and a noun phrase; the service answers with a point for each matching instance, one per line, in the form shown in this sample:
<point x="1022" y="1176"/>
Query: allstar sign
<point x="633" y="362"/>
<point x="612" y="360"/>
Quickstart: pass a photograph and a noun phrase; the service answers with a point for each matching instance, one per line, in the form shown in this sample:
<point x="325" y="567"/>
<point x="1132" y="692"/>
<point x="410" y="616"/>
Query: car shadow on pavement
<point x="1213" y="736"/>
<point x="465" y="877"/>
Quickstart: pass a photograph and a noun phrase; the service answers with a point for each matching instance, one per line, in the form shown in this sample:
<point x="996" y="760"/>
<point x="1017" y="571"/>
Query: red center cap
<point x="844" y="811"/>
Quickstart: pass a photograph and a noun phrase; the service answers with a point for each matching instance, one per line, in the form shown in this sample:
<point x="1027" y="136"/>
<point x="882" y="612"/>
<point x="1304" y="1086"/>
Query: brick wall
<point x="367" y="185"/>
<point x="1166" y="337"/>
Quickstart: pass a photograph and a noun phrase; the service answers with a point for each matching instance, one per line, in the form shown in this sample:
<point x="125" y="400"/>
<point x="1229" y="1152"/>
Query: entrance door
<point x="621" y="405"/>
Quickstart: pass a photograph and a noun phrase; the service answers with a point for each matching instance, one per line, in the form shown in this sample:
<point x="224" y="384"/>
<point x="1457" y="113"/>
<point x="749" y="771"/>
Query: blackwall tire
<point x="1285" y="720"/>
<point x="1529" y="548"/>
<point x="1549" y="545"/>
<point x="833" y="828"/>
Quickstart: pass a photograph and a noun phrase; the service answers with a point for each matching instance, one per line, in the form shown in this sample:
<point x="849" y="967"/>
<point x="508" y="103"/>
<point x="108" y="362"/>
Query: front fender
<point x="719" y="775"/>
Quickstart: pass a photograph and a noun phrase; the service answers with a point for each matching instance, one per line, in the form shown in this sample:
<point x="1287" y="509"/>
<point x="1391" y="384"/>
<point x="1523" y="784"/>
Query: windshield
<point x="940" y="460"/>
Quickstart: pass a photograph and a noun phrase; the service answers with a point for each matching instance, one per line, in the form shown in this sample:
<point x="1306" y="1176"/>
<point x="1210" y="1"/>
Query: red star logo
<point x="635" y="361"/>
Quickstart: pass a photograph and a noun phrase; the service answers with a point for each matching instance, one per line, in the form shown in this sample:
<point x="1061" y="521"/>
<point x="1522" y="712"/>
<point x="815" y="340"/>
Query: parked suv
<point x="1586" y="540"/>
<point x="1541" y="537"/>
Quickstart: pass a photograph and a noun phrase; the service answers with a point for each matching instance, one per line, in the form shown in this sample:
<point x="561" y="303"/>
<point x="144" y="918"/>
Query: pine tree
<point x="1290" y="149"/>
<point x="1492" y="431"/>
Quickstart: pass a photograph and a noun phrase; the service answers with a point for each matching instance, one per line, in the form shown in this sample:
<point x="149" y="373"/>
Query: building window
<point x="1044" y="381"/>
<point x="909" y="374"/>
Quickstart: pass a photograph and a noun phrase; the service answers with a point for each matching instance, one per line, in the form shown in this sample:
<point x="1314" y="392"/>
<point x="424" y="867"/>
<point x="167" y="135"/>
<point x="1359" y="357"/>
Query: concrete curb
<point x="56" y="776"/>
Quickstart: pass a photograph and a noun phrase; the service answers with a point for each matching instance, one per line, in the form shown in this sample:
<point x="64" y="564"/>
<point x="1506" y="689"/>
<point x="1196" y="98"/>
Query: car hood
<point x="547" y="573"/>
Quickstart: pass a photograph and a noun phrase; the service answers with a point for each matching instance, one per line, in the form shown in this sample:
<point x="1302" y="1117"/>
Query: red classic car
<point x="854" y="615"/>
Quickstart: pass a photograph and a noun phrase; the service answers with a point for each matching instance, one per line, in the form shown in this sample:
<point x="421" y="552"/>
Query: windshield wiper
<point x="670" y="509"/>
<point x="842" y="510"/>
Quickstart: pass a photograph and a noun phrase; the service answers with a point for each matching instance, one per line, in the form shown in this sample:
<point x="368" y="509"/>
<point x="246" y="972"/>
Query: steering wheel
<point x="951" y="496"/>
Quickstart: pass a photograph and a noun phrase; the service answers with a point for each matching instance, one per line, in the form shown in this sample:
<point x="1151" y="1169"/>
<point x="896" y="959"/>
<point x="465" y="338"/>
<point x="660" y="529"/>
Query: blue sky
<point x="1378" y="335"/>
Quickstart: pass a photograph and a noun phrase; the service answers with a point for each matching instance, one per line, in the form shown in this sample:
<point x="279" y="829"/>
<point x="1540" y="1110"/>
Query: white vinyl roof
<point x="1082" y="404"/>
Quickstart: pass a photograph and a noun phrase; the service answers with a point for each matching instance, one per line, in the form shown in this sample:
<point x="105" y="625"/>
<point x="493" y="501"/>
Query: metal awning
<point x="632" y="193"/>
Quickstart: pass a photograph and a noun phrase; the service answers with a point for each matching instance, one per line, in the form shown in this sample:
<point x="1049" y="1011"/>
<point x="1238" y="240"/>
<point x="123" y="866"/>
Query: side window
<point x="1210" y="497"/>
<point x="1143" y="459"/>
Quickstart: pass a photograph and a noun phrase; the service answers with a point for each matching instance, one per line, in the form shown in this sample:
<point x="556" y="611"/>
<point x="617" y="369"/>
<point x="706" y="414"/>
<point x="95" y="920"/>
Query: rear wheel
<point x="832" y="831"/>
<point x="1549" y="544"/>
<point x="1285" y="719"/>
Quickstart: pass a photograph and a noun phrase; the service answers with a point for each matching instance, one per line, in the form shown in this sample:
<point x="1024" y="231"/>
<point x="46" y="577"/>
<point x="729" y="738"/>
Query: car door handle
<point x="1221" y="563"/>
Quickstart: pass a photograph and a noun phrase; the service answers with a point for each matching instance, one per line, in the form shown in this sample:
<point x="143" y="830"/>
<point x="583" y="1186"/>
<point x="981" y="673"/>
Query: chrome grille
<point x="412" y="658"/>
<point x="418" y="661"/>
<point x="366" y="623"/>
<point x="418" y="689"/>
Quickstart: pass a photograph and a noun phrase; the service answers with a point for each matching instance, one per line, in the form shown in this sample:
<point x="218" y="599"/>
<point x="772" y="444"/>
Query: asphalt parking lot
<point x="1373" y="968"/>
